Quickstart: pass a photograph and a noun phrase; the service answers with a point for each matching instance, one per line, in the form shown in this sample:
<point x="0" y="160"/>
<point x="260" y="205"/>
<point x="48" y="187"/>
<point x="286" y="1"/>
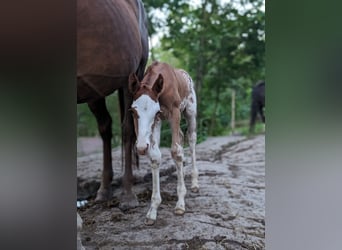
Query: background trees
<point x="220" y="43"/>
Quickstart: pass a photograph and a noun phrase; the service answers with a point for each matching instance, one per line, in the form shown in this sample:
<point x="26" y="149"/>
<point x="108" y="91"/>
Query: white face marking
<point x="146" y="109"/>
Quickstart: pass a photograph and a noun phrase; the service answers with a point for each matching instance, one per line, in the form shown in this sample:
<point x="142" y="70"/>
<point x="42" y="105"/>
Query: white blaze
<point x="146" y="109"/>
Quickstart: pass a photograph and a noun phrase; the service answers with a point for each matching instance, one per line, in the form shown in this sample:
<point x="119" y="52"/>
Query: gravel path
<point x="227" y="213"/>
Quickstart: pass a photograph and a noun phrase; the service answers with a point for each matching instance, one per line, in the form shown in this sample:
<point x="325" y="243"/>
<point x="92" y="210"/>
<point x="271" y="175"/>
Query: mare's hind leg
<point x="104" y="122"/>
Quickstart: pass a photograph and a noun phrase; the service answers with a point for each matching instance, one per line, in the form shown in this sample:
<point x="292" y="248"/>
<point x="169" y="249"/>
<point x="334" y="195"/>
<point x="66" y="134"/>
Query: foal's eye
<point x="133" y="112"/>
<point x="158" y="114"/>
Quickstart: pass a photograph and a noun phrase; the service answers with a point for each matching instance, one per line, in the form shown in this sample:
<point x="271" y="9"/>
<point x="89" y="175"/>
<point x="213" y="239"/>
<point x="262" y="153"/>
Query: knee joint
<point x="177" y="153"/>
<point x="155" y="157"/>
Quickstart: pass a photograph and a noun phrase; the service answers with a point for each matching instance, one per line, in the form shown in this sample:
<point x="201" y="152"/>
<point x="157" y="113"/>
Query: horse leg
<point x="178" y="156"/>
<point x="128" y="198"/>
<point x="261" y="112"/>
<point x="190" y="115"/>
<point x="254" y="112"/>
<point x="104" y="122"/>
<point x="155" y="157"/>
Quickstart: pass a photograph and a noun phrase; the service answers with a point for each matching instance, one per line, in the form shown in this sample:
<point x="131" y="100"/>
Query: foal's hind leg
<point x="190" y="115"/>
<point x="178" y="156"/>
<point x="104" y="122"/>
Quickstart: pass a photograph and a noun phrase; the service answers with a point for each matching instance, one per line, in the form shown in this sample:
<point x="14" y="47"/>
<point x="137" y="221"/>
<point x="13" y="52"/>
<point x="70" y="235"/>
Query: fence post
<point x="232" y="123"/>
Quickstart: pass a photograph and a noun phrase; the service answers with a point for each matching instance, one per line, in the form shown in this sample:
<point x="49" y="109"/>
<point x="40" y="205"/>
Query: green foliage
<point x="244" y="130"/>
<point x="222" y="46"/>
<point x="87" y="125"/>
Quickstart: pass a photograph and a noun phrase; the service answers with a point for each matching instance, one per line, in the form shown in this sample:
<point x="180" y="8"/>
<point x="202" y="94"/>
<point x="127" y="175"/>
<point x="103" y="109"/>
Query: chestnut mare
<point x="112" y="43"/>
<point x="163" y="94"/>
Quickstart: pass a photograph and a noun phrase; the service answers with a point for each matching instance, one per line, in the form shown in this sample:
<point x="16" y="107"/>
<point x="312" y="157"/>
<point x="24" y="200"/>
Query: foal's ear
<point x="133" y="83"/>
<point x="158" y="84"/>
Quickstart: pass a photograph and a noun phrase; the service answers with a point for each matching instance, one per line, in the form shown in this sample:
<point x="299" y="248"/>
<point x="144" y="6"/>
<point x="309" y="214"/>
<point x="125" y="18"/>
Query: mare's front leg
<point x="104" y="122"/>
<point x="128" y="199"/>
<point x="178" y="156"/>
<point x="155" y="157"/>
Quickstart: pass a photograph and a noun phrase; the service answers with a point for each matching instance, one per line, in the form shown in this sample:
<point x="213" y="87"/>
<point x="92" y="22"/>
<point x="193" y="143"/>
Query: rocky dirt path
<point x="227" y="213"/>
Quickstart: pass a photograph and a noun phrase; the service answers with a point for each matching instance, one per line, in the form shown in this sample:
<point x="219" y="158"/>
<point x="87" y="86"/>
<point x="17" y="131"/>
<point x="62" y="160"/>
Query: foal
<point x="163" y="94"/>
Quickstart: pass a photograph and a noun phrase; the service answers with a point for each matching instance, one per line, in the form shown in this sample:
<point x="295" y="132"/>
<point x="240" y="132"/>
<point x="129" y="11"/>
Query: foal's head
<point x="145" y="107"/>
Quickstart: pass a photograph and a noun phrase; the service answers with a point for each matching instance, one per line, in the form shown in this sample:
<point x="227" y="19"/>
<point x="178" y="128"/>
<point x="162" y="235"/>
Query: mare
<point x="258" y="104"/>
<point x="163" y="94"/>
<point x="112" y="43"/>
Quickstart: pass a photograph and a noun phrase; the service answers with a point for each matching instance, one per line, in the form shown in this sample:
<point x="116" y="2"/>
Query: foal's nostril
<point x="142" y="151"/>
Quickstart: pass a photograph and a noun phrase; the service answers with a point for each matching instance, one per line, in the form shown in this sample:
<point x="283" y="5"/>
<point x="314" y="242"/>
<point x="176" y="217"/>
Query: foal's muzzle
<point x="142" y="149"/>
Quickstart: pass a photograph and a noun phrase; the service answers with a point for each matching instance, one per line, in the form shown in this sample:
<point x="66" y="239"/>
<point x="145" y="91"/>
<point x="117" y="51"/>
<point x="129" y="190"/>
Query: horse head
<point x="145" y="107"/>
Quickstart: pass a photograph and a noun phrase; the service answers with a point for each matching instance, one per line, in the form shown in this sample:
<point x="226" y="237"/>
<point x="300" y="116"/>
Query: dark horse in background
<point x="112" y="43"/>
<point x="258" y="104"/>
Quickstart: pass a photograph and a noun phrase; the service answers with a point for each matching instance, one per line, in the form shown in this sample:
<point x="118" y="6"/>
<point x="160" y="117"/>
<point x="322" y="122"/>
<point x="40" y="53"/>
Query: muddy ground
<point x="227" y="213"/>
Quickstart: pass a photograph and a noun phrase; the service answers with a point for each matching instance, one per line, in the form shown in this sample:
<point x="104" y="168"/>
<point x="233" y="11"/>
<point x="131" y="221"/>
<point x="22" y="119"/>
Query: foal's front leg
<point x="155" y="157"/>
<point x="178" y="156"/>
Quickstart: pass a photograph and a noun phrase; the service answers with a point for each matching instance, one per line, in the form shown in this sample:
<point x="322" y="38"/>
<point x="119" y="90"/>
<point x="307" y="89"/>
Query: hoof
<point x="179" y="211"/>
<point x="149" y="222"/>
<point x="103" y="195"/>
<point x="195" y="189"/>
<point x="128" y="201"/>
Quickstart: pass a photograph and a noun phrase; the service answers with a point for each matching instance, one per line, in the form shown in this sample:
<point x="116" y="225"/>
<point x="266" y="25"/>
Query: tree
<point x="222" y="46"/>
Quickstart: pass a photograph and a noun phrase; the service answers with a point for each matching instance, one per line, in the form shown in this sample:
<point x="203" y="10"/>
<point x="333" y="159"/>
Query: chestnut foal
<point x="163" y="94"/>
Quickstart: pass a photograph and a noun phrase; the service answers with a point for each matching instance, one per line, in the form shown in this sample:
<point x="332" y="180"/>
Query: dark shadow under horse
<point x="112" y="43"/>
<point x="257" y="104"/>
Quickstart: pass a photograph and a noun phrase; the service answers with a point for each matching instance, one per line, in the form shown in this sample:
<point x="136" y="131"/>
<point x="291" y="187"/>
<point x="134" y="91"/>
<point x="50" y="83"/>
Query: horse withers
<point x="257" y="104"/>
<point x="163" y="94"/>
<point x="112" y="43"/>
